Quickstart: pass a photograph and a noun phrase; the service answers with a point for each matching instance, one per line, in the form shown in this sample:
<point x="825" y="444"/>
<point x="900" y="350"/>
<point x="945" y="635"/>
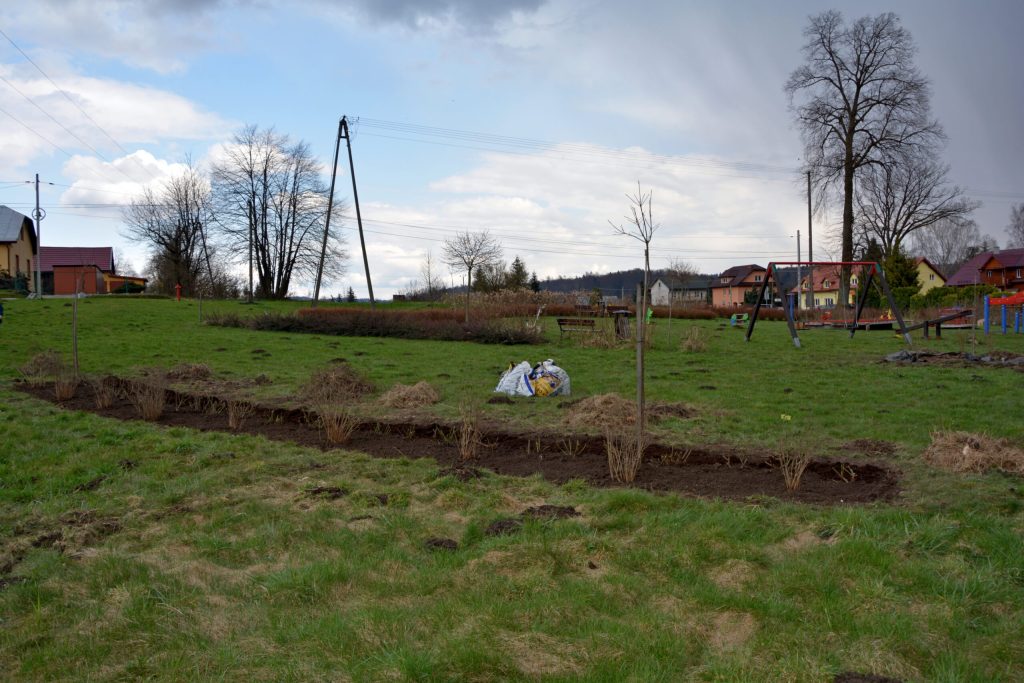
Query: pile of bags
<point x="544" y="379"/>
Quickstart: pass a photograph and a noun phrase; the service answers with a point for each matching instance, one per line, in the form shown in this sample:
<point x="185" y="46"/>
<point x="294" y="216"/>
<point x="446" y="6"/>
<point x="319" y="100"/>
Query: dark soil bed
<point x="715" y="472"/>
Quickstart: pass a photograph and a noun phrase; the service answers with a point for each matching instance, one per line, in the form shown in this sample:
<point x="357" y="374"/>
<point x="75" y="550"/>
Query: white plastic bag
<point x="546" y="379"/>
<point x="515" y="381"/>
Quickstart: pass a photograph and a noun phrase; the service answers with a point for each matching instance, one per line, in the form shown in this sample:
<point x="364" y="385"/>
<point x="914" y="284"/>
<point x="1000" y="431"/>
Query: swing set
<point x="870" y="269"/>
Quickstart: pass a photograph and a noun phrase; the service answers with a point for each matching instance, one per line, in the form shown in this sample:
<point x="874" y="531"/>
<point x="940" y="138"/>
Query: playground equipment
<point x="870" y="269"/>
<point x="1015" y="302"/>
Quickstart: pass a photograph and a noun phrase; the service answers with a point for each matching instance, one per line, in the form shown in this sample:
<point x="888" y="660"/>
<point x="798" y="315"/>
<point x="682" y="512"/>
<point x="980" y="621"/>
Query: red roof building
<point x="100" y="257"/>
<point x="1003" y="269"/>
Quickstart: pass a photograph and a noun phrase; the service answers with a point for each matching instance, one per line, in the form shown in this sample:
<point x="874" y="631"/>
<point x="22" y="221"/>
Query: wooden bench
<point x="575" y="325"/>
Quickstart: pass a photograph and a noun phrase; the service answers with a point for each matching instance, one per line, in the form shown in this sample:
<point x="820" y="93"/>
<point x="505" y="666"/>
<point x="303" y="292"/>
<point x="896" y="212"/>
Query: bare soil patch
<point x="711" y="471"/>
<point x="853" y="677"/>
<point x="441" y="544"/>
<point x="995" y="359"/>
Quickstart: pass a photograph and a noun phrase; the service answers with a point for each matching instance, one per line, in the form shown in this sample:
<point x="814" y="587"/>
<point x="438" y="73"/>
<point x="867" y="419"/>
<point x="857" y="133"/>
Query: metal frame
<point x="875" y="269"/>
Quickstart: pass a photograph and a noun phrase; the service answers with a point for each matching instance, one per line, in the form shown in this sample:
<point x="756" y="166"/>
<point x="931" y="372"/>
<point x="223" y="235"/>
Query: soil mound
<point x="549" y="512"/>
<point x="966" y="452"/>
<point x="603" y="409"/>
<point x="414" y="396"/>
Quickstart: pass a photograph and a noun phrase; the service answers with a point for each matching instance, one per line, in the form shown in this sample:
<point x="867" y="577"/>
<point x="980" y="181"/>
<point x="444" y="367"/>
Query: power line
<point x="78" y="107"/>
<point x="37" y="133"/>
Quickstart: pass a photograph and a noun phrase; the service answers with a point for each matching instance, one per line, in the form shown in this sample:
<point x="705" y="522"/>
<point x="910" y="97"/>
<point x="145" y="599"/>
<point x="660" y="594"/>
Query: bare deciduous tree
<point x="470" y="251"/>
<point x="271" y="209"/>
<point x="1015" y="230"/>
<point x="640" y="226"/>
<point x="859" y="100"/>
<point x="173" y="221"/>
<point x="947" y="243"/>
<point x="896" y="199"/>
<point x="432" y="281"/>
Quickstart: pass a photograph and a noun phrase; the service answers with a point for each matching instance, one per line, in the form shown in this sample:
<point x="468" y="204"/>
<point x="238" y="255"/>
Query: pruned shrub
<point x="625" y="453"/>
<point x="694" y="340"/>
<point x="966" y="452"/>
<point x="238" y="412"/>
<point x="42" y="367"/>
<point x="469" y="437"/>
<point x="792" y="462"/>
<point x="148" y="395"/>
<point x="335" y="384"/>
<point x="65" y="384"/>
<point x="103" y="392"/>
<point x="338" y="422"/>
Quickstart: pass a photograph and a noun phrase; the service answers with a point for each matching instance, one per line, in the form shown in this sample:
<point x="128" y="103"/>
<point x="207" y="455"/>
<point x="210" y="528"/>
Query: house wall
<point x="660" y="293"/>
<point x="73" y="279"/>
<point x="928" y="278"/>
<point x="115" y="283"/>
<point x="15" y="254"/>
<point x="733" y="296"/>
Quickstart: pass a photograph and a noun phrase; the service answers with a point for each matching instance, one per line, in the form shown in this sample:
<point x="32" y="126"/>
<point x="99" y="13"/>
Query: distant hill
<point x="625" y="281"/>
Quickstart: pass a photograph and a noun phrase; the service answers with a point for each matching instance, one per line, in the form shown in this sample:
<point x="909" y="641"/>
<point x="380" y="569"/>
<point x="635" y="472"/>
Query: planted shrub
<point x="238" y="412"/>
<point x="624" y="453"/>
<point x="469" y="437"/>
<point x="792" y="463"/>
<point x="42" y="367"/>
<point x="65" y="384"/>
<point x="102" y="392"/>
<point x="148" y="395"/>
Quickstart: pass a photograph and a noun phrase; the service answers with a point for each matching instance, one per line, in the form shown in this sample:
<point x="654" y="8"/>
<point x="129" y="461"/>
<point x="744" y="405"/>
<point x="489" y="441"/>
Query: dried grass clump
<point x="694" y="340"/>
<point x="42" y="367"/>
<point x="600" y="339"/>
<point x="624" y="453"/>
<point x="414" y="396"/>
<point x="338" y="423"/>
<point x="189" y="372"/>
<point x="792" y="463"/>
<point x="102" y="392"/>
<point x="601" y="409"/>
<point x="65" y="384"/>
<point x="966" y="452"/>
<point x="470" y="437"/>
<point x="335" y="384"/>
<point x="149" y="395"/>
<point x="238" y="412"/>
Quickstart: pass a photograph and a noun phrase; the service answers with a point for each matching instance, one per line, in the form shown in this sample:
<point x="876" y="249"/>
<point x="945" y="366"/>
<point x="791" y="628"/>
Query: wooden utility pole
<point x="810" y="250"/>
<point x="38" y="215"/>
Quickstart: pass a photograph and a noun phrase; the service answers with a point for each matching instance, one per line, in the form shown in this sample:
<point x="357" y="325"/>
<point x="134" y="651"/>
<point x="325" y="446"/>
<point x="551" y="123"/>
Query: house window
<point x="827" y="284"/>
<point x="853" y="281"/>
<point x="1018" y="272"/>
<point x="991" y="273"/>
<point x="829" y="301"/>
<point x="931" y="276"/>
<point x="725" y="280"/>
<point x="757" y="278"/>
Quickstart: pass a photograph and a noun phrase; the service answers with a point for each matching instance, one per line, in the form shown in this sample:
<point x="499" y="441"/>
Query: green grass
<point x="223" y="569"/>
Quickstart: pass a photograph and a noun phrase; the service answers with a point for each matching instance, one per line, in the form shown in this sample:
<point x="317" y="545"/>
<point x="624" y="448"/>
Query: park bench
<point x="575" y="325"/>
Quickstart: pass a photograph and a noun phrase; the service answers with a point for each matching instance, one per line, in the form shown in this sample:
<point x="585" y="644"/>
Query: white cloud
<point x="131" y="114"/>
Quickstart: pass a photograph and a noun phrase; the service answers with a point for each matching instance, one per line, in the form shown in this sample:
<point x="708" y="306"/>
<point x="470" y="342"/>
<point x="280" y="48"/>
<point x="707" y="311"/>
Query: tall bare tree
<point x="271" y="209"/>
<point x="173" y="221"/>
<point x="946" y="243"/>
<point x="470" y="251"/>
<point x="432" y="281"/>
<point x="898" y="198"/>
<point x="640" y="225"/>
<point x="1015" y="230"/>
<point x="859" y="100"/>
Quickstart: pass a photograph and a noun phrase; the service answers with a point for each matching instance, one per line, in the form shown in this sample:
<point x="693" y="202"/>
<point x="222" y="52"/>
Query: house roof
<point x="830" y="273"/>
<point x="101" y="257"/>
<point x="921" y="259"/>
<point x="11" y="223"/>
<point x="736" y="275"/>
<point x="1008" y="258"/>
<point x="968" y="272"/>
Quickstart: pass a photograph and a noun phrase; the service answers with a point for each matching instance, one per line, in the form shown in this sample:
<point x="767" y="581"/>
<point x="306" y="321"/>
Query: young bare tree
<point x="1015" y="230"/>
<point x="859" y="100"/>
<point x="470" y="251"/>
<point x="896" y="199"/>
<point x="640" y="225"/>
<point x="271" y="210"/>
<point x="432" y="281"/>
<point x="173" y="221"/>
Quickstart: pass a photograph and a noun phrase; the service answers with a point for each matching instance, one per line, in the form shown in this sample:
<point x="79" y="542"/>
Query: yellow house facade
<point x="928" y="276"/>
<point x="17" y="243"/>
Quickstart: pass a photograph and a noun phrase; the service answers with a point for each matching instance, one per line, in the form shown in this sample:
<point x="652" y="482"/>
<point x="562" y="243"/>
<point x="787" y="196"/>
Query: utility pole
<point x="327" y="220"/>
<point x="38" y="215"/>
<point x="798" y="278"/>
<point x="810" y="250"/>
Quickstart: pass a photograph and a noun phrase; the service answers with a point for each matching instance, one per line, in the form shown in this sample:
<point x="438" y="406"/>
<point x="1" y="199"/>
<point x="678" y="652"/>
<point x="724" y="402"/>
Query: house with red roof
<point x="826" y="287"/>
<point x="730" y="288"/>
<point x="87" y="270"/>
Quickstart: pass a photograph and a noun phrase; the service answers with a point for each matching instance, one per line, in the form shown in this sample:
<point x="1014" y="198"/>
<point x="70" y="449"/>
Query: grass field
<point x="172" y="554"/>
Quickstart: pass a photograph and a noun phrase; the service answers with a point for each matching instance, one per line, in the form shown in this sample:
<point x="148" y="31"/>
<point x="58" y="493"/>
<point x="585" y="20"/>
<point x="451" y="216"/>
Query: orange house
<point x="731" y="286"/>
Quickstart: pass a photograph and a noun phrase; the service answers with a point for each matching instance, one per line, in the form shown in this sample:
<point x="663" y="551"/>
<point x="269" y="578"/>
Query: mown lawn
<point x="137" y="551"/>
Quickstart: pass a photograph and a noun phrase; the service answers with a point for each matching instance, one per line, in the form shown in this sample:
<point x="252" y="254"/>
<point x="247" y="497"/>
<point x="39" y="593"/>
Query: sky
<point x="533" y="119"/>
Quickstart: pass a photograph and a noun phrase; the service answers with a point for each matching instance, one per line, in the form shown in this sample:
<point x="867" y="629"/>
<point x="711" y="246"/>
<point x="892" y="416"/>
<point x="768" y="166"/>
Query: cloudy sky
<point x="531" y="118"/>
